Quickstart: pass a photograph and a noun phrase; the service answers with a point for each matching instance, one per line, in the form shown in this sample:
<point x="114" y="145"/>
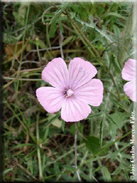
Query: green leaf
<point x="106" y="174"/>
<point x="56" y="122"/>
<point x="53" y="29"/>
<point x="56" y="18"/>
<point x="67" y="40"/>
<point x="7" y="170"/>
<point x="116" y="121"/>
<point x="116" y="15"/>
<point x="60" y="26"/>
<point x="22" y="145"/>
<point x="40" y="43"/>
<point x="92" y="25"/>
<point x="72" y="129"/>
<point x="116" y="64"/>
<point x="70" y="168"/>
<point x="63" y="126"/>
<point x="119" y="118"/>
<point x="92" y="144"/>
<point x="59" y="12"/>
<point x="104" y="150"/>
<point x="51" y="118"/>
<point x="116" y="30"/>
<point x="80" y="128"/>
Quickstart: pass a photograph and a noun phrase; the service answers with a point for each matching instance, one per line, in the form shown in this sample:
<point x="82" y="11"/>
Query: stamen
<point x="69" y="93"/>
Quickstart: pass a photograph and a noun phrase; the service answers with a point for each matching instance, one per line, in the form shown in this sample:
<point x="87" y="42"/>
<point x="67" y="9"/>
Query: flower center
<point x="69" y="93"/>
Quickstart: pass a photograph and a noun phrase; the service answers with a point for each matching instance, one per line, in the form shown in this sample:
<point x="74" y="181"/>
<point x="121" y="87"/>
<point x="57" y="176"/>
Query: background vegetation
<point x="39" y="145"/>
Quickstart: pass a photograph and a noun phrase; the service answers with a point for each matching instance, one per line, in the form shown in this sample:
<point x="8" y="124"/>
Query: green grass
<point x="39" y="146"/>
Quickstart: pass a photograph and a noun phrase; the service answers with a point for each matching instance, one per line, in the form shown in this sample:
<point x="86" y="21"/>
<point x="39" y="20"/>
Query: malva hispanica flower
<point x="129" y="74"/>
<point x="74" y="89"/>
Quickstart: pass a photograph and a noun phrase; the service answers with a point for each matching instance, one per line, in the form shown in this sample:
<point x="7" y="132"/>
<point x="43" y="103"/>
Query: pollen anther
<point x="69" y="93"/>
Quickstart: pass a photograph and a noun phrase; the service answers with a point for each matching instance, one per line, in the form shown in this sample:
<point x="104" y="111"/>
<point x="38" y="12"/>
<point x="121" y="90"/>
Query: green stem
<point x="75" y="147"/>
<point x="37" y="47"/>
<point x="38" y="150"/>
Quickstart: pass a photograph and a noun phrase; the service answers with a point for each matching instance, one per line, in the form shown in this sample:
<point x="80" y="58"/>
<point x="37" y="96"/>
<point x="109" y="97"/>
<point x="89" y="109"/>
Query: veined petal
<point x="80" y="72"/>
<point x="91" y="93"/>
<point x="50" y="98"/>
<point x="56" y="73"/>
<point x="74" y="110"/>
<point x="130" y="90"/>
<point x="129" y="70"/>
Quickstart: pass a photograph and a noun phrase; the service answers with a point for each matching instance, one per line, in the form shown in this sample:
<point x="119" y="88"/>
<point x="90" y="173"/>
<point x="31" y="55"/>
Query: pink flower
<point x="129" y="74"/>
<point x="73" y="89"/>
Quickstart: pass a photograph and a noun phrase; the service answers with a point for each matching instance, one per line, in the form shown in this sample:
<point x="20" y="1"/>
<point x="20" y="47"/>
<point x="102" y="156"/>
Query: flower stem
<point x="61" y="42"/>
<point x="38" y="151"/>
<point x="75" y="146"/>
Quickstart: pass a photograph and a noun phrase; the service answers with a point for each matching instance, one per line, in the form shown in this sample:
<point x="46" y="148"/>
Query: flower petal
<point x="56" y="73"/>
<point x="80" y="72"/>
<point x="129" y="70"/>
<point x="91" y="93"/>
<point x="50" y="98"/>
<point x="74" y="110"/>
<point x="130" y="90"/>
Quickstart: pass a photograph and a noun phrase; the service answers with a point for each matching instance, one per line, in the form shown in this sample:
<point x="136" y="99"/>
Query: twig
<point x="21" y="167"/>
<point x="38" y="150"/>
<point x="75" y="146"/>
<point x="30" y="61"/>
<point x="60" y="42"/>
<point x="64" y="155"/>
<point x="17" y="79"/>
<point x="42" y="17"/>
<point x="44" y="49"/>
<point x="21" y="79"/>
